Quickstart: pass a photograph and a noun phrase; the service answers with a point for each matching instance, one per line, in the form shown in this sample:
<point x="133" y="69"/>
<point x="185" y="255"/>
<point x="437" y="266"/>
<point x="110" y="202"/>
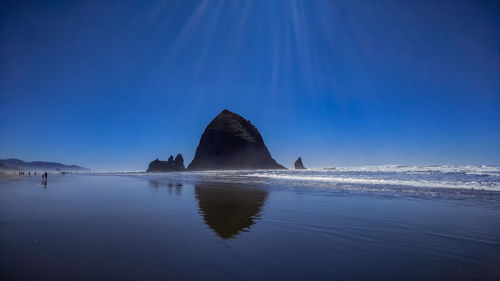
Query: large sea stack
<point x="232" y="142"/>
<point x="171" y="165"/>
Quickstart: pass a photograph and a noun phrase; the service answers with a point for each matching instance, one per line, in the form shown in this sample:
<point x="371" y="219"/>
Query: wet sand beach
<point x="188" y="227"/>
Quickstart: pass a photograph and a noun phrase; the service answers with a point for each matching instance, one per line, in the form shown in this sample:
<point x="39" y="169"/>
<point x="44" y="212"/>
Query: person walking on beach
<point x="44" y="180"/>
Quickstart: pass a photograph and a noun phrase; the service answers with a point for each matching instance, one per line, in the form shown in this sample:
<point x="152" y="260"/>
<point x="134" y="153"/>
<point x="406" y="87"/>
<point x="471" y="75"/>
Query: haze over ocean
<point x="115" y="84"/>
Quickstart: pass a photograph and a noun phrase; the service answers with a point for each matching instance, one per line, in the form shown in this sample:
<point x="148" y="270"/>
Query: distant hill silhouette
<point x="17" y="165"/>
<point x="232" y="142"/>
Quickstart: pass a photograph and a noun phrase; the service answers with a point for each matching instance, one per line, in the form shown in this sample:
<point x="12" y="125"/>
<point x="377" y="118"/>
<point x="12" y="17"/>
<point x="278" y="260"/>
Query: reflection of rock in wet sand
<point x="170" y="186"/>
<point x="229" y="209"/>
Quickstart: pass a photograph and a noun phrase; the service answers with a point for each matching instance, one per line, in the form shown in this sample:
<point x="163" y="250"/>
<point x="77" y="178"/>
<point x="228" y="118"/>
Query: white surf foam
<point x="471" y="185"/>
<point x="469" y="170"/>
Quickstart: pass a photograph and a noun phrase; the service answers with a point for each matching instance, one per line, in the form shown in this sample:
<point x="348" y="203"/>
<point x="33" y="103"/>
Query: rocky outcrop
<point x="298" y="164"/>
<point x="171" y="165"/>
<point x="232" y="142"/>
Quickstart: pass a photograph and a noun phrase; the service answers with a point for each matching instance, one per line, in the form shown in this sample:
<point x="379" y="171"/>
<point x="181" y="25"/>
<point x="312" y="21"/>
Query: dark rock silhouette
<point x="170" y="165"/>
<point x="298" y="164"/>
<point x="179" y="161"/>
<point x="232" y="142"/>
<point x="228" y="209"/>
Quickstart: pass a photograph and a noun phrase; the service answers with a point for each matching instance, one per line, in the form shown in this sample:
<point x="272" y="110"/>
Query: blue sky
<point x="115" y="84"/>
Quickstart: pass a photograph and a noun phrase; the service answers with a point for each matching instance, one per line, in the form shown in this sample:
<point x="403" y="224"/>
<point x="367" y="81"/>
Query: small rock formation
<point x="171" y="165"/>
<point x="232" y="142"/>
<point x="298" y="164"/>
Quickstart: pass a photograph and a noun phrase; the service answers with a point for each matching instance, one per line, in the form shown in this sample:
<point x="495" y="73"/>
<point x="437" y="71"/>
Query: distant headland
<point x="228" y="142"/>
<point x="13" y="164"/>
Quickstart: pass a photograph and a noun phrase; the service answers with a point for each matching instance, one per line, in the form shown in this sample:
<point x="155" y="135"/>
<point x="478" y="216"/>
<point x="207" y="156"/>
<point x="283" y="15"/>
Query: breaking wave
<point x="339" y="180"/>
<point x="445" y="169"/>
<point x="393" y="179"/>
